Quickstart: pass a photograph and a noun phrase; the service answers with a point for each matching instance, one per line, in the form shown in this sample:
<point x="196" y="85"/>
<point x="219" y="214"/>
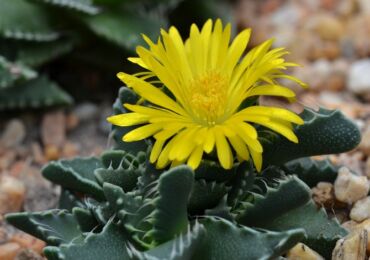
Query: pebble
<point x="72" y="121"/>
<point x="364" y="6"/>
<point x="302" y="252"/>
<point x="27" y="254"/>
<point x="9" y="251"/>
<point x="12" y="194"/>
<point x="361" y="210"/>
<point x="28" y="241"/>
<point x="349" y="187"/>
<point x="52" y="152"/>
<point x="86" y="111"/>
<point x="41" y="194"/>
<point x="359" y="77"/>
<point x="70" y="150"/>
<point x="53" y="129"/>
<point x="323" y="194"/>
<point x="353" y="246"/>
<point x="327" y="26"/>
<point x="14" y="134"/>
<point x="364" y="145"/>
<point x="37" y="153"/>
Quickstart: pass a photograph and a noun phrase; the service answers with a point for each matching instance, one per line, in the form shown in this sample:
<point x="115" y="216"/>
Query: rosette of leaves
<point x="68" y="40"/>
<point x="118" y="206"/>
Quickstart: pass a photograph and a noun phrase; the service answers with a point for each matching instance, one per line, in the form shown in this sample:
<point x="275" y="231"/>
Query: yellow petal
<point x="223" y="150"/>
<point x="195" y="157"/>
<point x="270" y="90"/>
<point x="128" y="119"/>
<point x="156" y="150"/>
<point x="142" y="132"/>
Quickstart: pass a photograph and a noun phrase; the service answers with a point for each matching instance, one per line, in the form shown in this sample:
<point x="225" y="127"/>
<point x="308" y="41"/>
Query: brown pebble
<point x="27" y="254"/>
<point x="12" y="194"/>
<point x="28" y="241"/>
<point x="51" y="152"/>
<point x="53" y="129"/>
<point x="70" y="150"/>
<point x="72" y="121"/>
<point x="9" y="251"/>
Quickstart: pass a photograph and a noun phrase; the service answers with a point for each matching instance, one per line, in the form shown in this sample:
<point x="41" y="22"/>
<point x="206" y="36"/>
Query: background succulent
<point x="79" y="44"/>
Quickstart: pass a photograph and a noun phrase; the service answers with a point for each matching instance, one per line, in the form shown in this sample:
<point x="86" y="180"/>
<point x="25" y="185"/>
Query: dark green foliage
<point x="226" y="240"/>
<point x="54" y="226"/>
<point x="35" y="93"/>
<point x="311" y="171"/>
<point x="288" y="195"/>
<point x="77" y="175"/>
<point x="119" y="206"/>
<point x="93" y="37"/>
<point x="111" y="243"/>
<point x="321" y="232"/>
<point x="324" y="132"/>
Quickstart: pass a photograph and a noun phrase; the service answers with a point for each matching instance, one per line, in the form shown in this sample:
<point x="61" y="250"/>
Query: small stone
<point x="359" y="77"/>
<point x="37" y="153"/>
<point x="14" y="134"/>
<point x="364" y="6"/>
<point x="350" y="188"/>
<point x="7" y="159"/>
<point x="86" y="111"/>
<point x="12" y="193"/>
<point x="70" y="150"/>
<point x="28" y="241"/>
<point x="53" y="129"/>
<point x="352" y="246"/>
<point x="367" y="168"/>
<point x="302" y="252"/>
<point x="323" y="194"/>
<point x="327" y="26"/>
<point x="8" y="251"/>
<point x="27" y="254"/>
<point x="354" y="227"/>
<point x="361" y="210"/>
<point x="51" y="152"/>
<point x="72" y="121"/>
<point x="364" y="146"/>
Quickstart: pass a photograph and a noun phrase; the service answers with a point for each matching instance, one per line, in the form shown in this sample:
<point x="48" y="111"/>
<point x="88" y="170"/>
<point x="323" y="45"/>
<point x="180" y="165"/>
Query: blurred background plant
<point x="53" y="50"/>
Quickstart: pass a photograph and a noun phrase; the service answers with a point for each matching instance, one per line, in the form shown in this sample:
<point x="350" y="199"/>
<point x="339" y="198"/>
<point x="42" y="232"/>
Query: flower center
<point x="208" y="97"/>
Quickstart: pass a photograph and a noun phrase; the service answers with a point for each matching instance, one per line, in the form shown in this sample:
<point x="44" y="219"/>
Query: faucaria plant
<point x="200" y="170"/>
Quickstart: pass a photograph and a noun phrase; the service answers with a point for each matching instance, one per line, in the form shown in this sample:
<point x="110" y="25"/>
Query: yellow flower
<point x="205" y="81"/>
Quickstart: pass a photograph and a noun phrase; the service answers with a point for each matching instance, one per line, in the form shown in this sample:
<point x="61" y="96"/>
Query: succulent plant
<point x="86" y="33"/>
<point x="119" y="206"/>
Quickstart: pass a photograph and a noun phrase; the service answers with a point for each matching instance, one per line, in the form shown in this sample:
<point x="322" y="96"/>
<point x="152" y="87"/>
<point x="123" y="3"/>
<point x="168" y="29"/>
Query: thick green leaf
<point x="35" y="93"/>
<point x="312" y="171"/>
<point x="122" y="169"/>
<point x="85" y="219"/>
<point x="322" y="232"/>
<point x="182" y="247"/>
<point x="132" y="211"/>
<point x="206" y="195"/>
<point x="83" y="6"/>
<point x="22" y="20"/>
<point x="76" y="174"/>
<point x="112" y="243"/>
<point x="11" y="73"/>
<point x="124" y="28"/>
<point x="290" y="194"/>
<point x="170" y="216"/>
<point x="53" y="226"/>
<point x="225" y="240"/>
<point x="68" y="200"/>
<point x="323" y="132"/>
<point x="36" y="54"/>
